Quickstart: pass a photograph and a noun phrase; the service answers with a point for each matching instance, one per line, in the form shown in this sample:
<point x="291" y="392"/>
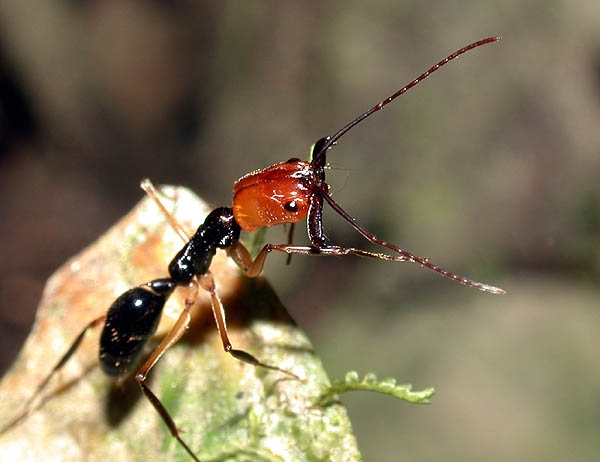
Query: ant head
<point x="291" y="191"/>
<point x="273" y="196"/>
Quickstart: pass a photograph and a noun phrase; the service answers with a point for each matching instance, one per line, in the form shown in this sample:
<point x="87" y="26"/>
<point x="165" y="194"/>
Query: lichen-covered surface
<point x="226" y="410"/>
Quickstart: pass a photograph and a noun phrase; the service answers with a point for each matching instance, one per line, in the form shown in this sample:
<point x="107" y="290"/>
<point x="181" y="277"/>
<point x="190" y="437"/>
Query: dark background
<point x="490" y="168"/>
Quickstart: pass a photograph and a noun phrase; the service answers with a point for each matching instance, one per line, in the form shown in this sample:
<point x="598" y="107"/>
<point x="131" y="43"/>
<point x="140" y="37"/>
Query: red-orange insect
<point x="291" y="191"/>
<point x="287" y="192"/>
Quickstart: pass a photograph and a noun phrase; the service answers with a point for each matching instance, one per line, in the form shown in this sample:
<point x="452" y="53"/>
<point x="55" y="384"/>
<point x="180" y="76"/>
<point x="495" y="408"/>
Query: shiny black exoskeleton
<point x="130" y="321"/>
<point x="133" y="317"/>
<point x="219" y="231"/>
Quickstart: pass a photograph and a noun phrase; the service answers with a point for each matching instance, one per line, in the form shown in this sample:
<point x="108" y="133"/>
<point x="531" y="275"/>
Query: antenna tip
<point x="495" y="38"/>
<point x="493" y="290"/>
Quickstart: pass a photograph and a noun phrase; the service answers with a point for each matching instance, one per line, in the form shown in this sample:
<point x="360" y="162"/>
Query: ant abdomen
<point x="131" y="321"/>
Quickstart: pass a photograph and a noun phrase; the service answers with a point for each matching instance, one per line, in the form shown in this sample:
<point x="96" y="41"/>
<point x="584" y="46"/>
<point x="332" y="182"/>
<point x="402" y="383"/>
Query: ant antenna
<point x="406" y="254"/>
<point x="330" y="141"/>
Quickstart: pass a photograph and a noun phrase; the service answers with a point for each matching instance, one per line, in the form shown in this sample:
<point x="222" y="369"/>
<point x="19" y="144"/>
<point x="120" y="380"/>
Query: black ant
<point x="283" y="193"/>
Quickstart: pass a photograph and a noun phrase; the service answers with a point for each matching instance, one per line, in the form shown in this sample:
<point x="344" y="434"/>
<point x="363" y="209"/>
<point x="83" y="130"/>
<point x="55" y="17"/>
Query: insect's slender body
<point x="287" y="192"/>
<point x="133" y="318"/>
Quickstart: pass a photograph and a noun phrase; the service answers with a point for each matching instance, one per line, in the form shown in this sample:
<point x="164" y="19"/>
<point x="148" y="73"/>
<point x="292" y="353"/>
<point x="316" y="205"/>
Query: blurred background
<point x="490" y="168"/>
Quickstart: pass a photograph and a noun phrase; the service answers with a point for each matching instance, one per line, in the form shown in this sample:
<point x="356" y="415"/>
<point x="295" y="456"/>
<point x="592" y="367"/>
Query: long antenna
<point x="406" y="254"/>
<point x="330" y="141"/>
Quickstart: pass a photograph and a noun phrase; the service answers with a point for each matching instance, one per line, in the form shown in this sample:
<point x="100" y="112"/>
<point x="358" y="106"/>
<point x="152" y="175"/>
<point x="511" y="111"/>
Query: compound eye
<point x="291" y="206"/>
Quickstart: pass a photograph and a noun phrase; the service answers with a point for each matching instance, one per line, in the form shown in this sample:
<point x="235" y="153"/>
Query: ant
<point x="287" y="192"/>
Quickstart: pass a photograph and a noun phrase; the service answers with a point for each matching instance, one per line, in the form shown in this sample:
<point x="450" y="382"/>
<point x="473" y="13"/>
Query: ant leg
<point x="57" y="367"/>
<point x="207" y="283"/>
<point x="153" y="193"/>
<point x="172" y="337"/>
<point x="252" y="268"/>
<point x="290" y="239"/>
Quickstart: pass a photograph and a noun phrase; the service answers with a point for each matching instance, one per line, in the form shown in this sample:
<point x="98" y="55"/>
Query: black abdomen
<point x="130" y="322"/>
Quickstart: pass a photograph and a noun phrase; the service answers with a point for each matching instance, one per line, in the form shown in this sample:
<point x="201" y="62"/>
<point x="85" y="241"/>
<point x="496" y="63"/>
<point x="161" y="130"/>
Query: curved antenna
<point x="406" y="254"/>
<point x="331" y="140"/>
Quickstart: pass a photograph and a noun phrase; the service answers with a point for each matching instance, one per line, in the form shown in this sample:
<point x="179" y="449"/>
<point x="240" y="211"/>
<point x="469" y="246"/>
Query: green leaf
<point x="352" y="382"/>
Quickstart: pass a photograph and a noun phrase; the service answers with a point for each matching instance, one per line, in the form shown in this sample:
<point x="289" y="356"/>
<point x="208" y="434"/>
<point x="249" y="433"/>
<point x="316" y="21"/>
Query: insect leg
<point x="57" y="367"/>
<point x="172" y="337"/>
<point x="290" y="239"/>
<point x="153" y="193"/>
<point x="252" y="268"/>
<point x="207" y="283"/>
